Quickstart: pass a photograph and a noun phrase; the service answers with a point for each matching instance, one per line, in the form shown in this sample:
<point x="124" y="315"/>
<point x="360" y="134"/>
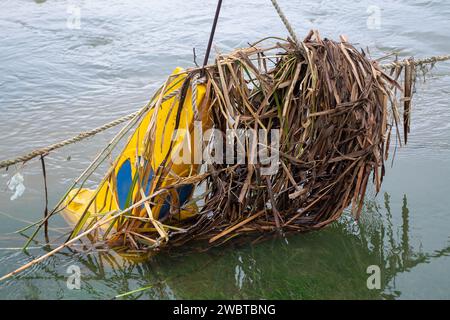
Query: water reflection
<point x="390" y="245"/>
<point x="328" y="264"/>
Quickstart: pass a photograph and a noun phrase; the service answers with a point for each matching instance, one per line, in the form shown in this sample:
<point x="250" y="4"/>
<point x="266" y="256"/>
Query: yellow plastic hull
<point x="116" y="190"/>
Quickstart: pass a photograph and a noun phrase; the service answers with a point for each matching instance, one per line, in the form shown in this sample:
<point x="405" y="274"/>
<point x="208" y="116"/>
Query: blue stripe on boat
<point x="124" y="181"/>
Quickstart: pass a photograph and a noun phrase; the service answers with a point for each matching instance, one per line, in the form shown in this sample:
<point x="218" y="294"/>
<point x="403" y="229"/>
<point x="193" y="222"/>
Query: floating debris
<point x="333" y="109"/>
<point x="16" y="184"/>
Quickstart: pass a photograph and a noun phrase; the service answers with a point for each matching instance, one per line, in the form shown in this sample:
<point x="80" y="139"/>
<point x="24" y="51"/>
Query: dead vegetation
<point x="334" y="108"/>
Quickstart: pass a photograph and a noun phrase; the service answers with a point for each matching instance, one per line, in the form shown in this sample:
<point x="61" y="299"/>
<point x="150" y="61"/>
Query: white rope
<point x="286" y="22"/>
<point x="194" y="95"/>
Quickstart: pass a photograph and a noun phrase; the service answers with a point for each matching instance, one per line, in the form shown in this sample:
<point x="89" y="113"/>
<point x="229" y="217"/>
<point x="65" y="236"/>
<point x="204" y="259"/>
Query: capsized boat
<point x="141" y="168"/>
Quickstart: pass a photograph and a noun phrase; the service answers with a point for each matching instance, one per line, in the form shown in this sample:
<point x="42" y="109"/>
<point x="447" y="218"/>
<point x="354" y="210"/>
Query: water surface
<point x="56" y="81"/>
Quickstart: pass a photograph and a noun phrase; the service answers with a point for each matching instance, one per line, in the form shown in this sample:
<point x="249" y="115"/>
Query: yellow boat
<point x="117" y="189"/>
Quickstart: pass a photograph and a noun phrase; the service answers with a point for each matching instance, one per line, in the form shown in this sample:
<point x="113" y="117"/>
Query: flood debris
<point x="334" y="109"/>
<point x="16" y="185"/>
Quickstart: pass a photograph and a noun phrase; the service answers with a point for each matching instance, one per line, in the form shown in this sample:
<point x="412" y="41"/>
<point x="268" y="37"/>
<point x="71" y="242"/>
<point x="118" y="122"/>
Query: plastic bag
<point x="16" y="184"/>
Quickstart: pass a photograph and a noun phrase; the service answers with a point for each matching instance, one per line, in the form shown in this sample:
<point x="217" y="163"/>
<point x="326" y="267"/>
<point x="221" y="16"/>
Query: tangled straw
<point x="333" y="113"/>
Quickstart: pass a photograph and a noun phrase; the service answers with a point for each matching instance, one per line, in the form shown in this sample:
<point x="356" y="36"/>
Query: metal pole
<point x="211" y="36"/>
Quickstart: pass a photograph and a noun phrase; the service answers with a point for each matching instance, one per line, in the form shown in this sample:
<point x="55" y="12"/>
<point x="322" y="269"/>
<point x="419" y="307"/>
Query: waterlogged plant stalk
<point x="78" y="237"/>
<point x="134" y="291"/>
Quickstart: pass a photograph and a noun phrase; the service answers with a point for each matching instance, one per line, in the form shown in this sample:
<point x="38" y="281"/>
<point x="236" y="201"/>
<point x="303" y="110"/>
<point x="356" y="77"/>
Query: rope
<point x="403" y="63"/>
<point x="286" y="22"/>
<point x="194" y="95"/>
<point x="84" y="135"/>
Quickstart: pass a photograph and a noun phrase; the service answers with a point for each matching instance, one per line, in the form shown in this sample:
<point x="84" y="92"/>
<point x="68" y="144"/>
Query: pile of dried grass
<point x="334" y="108"/>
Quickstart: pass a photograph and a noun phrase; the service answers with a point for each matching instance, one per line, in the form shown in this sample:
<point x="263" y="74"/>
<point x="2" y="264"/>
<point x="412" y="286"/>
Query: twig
<point x="276" y="213"/>
<point x="46" y="199"/>
<point x="195" y="57"/>
<point x="240" y="224"/>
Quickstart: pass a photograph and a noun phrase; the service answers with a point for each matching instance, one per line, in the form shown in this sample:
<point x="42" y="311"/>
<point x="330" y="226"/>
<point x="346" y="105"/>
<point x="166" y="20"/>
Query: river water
<point x="69" y="66"/>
